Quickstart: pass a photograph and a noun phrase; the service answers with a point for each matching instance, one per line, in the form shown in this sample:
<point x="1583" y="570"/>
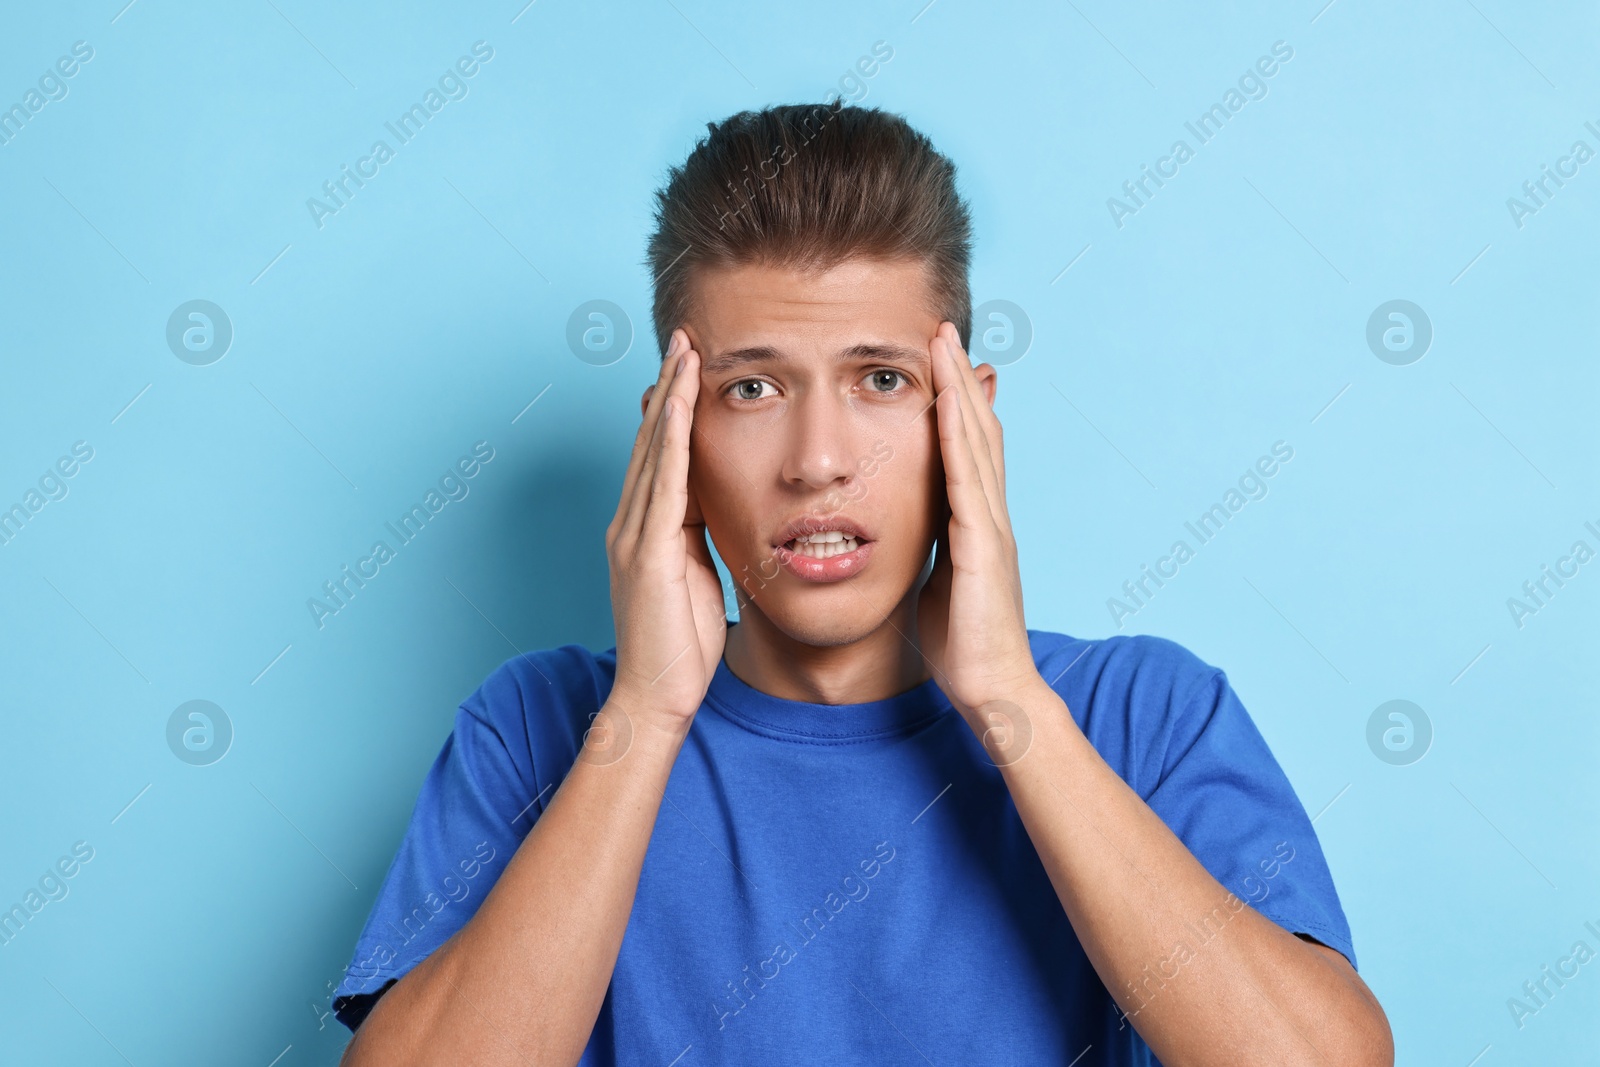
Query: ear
<point x="644" y="399"/>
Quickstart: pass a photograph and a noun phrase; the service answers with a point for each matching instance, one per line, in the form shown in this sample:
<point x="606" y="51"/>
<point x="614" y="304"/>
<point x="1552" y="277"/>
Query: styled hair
<point x="807" y="186"/>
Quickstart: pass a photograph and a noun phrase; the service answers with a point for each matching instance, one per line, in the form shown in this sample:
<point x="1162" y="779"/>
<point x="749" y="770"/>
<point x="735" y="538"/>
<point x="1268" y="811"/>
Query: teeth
<point x="823" y="546"/>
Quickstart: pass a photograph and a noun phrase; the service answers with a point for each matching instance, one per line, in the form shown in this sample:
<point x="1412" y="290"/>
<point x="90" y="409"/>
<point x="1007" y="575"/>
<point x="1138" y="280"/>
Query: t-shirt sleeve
<point x="1221" y="791"/>
<point x="478" y="801"/>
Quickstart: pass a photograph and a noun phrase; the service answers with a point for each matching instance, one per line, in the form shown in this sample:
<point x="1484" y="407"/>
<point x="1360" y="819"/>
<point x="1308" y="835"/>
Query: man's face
<point x="815" y="404"/>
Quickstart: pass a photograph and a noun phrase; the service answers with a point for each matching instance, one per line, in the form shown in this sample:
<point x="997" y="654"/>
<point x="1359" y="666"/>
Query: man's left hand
<point x="970" y="623"/>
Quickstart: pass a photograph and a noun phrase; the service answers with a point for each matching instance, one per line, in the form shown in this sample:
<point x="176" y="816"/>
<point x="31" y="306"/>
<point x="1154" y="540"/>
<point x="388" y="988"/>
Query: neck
<point x="883" y="663"/>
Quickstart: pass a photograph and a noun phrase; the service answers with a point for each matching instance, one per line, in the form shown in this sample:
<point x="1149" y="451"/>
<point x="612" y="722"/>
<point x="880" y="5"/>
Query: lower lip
<point x="833" y="569"/>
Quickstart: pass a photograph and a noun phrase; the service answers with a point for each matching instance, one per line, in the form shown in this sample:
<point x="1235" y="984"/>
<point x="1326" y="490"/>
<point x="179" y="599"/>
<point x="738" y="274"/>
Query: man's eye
<point x="749" y="389"/>
<point x="879" y="375"/>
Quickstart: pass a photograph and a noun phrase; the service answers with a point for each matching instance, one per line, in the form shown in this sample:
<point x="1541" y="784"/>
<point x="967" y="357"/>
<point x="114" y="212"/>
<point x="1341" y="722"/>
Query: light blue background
<point x="371" y="353"/>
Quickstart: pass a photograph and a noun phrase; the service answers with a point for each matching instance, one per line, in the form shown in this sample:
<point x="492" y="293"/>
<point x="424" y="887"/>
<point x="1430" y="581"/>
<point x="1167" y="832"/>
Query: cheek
<point x="717" y="494"/>
<point x="907" y="487"/>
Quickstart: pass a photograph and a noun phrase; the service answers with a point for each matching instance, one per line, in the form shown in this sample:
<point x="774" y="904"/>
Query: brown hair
<point x="809" y="185"/>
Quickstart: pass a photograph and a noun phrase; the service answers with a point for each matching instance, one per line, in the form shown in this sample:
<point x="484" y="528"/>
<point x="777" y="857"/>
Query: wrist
<point x="638" y="719"/>
<point x="1025" y="687"/>
<point x="1005" y="724"/>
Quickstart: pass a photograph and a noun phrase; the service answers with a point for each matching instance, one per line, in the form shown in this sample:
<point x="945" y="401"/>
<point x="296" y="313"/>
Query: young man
<point x="877" y="820"/>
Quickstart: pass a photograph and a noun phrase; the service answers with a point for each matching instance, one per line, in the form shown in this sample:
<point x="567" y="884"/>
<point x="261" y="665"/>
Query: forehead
<point x="856" y="300"/>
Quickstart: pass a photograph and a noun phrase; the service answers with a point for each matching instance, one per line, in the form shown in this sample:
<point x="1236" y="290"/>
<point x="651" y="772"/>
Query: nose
<point x="820" y="450"/>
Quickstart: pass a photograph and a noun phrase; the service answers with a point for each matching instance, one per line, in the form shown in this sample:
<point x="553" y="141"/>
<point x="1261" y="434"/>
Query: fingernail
<point x="679" y="368"/>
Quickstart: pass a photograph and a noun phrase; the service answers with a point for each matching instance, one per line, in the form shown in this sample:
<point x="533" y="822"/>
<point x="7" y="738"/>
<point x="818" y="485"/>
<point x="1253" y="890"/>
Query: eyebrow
<point x="868" y="352"/>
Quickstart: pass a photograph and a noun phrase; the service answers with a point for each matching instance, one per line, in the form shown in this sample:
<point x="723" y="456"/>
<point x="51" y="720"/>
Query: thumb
<point x="695" y="538"/>
<point x="691" y="514"/>
<point x="940" y="574"/>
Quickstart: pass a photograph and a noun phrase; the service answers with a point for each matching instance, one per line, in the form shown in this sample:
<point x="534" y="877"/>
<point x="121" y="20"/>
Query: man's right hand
<point x="589" y="843"/>
<point x="666" y="598"/>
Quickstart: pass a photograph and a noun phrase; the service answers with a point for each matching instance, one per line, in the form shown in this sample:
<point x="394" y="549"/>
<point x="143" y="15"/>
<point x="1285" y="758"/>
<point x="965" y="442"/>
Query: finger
<point x="669" y="488"/>
<point x="669" y="365"/>
<point x="698" y="547"/>
<point x="978" y="415"/>
<point x="974" y="409"/>
<point x="965" y="447"/>
<point x="648" y="422"/>
<point x="710" y="610"/>
<point x="939" y="577"/>
<point x="969" y="504"/>
<point x="994" y="434"/>
<point x="644" y="485"/>
<point x="639" y="492"/>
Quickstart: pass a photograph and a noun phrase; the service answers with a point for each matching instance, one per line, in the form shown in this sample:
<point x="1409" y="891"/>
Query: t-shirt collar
<point x="824" y="724"/>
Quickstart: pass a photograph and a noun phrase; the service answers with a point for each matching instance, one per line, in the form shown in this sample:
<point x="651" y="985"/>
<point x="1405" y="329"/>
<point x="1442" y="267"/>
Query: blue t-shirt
<point x="850" y="883"/>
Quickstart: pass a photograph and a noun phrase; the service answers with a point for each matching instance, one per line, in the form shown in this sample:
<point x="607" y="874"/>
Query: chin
<point x="822" y="629"/>
<point x="836" y="614"/>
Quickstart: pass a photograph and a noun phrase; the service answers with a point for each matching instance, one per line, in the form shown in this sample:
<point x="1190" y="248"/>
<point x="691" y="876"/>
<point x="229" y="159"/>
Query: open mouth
<point x="824" y="545"/>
